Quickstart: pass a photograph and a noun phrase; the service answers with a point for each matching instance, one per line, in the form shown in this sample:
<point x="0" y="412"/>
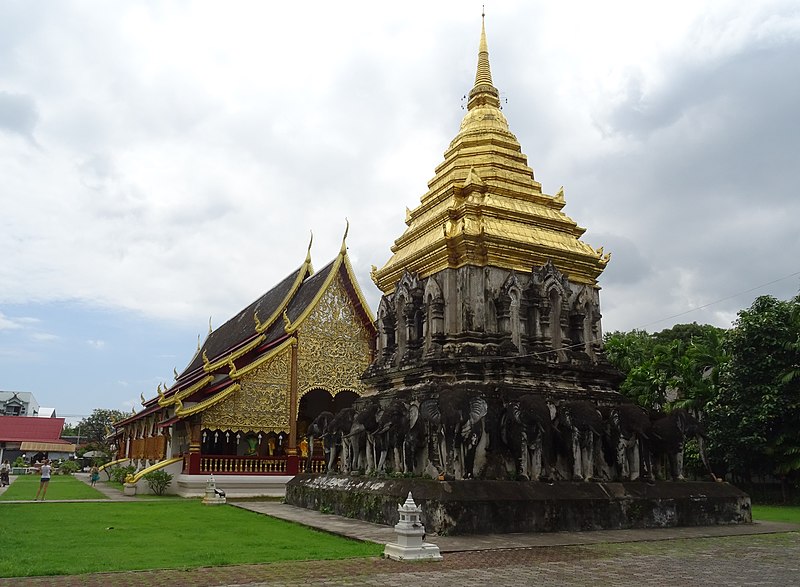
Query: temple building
<point x="240" y="408"/>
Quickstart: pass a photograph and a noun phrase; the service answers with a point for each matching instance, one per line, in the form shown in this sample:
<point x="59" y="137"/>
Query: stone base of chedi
<point x="485" y="507"/>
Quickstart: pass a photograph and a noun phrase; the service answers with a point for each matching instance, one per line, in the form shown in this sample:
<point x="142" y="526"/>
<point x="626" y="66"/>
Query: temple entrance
<point x="316" y="401"/>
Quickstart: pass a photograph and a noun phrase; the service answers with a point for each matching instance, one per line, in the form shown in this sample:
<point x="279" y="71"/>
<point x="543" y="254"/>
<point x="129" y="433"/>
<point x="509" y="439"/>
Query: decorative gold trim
<point x="112" y="463"/>
<point x="305" y="270"/>
<point x="167" y="401"/>
<point x="182" y="412"/>
<point x="262" y="359"/>
<point x="234" y="355"/>
<point x="151" y="468"/>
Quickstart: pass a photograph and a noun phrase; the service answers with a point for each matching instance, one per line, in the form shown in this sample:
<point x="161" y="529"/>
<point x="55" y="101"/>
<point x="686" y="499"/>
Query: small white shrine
<point x="213" y="495"/>
<point x="411" y="545"/>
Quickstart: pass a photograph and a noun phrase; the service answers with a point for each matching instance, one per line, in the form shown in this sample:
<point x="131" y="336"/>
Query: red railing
<point x="237" y="465"/>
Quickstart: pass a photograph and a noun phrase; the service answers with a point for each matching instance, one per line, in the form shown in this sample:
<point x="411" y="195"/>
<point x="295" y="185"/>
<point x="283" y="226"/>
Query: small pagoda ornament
<point x="411" y="545"/>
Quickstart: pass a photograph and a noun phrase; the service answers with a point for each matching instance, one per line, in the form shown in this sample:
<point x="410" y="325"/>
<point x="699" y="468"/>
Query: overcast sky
<point x="162" y="162"/>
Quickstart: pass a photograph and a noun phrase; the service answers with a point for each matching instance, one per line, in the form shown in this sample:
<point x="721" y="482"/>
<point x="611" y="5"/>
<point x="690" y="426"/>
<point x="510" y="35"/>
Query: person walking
<point x="94" y="475"/>
<point x="5" y="471"/>
<point x="45" y="479"/>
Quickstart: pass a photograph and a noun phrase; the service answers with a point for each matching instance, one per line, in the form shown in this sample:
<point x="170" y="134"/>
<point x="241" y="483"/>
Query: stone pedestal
<point x="499" y="507"/>
<point x="411" y="545"/>
<point x="129" y="489"/>
<point x="213" y="496"/>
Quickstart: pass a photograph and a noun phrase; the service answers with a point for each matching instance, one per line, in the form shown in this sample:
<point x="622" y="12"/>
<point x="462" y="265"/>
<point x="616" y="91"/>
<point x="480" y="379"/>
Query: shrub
<point x="20" y="462"/>
<point x="158" y="481"/>
<point x="118" y="474"/>
<point x="68" y="468"/>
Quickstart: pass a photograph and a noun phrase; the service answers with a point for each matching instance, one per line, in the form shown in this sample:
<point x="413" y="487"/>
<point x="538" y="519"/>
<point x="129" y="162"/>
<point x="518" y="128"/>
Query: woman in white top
<point x="45" y="480"/>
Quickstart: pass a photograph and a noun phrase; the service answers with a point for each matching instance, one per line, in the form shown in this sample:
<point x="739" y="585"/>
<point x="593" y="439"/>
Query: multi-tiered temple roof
<point x="484" y="207"/>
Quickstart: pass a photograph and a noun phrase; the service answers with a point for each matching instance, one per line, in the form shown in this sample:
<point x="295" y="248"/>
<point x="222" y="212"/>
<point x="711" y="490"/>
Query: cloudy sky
<point x="162" y="162"/>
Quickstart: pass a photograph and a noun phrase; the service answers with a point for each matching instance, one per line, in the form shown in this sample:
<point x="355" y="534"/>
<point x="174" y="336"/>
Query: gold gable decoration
<point x="333" y="348"/>
<point x="262" y="403"/>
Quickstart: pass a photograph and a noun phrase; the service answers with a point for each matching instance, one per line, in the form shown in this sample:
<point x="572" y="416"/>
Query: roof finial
<point x="310" y="242"/>
<point x="483" y="92"/>
<point x="343" y="250"/>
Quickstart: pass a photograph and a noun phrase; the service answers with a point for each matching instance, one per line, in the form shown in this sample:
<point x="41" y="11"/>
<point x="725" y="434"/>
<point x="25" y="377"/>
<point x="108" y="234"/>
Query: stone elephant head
<point x="669" y="433"/>
<point x="316" y="430"/>
<point x="527" y="429"/>
<point x="628" y="434"/>
<point x="455" y="419"/>
<point x="336" y="437"/>
<point x="580" y="427"/>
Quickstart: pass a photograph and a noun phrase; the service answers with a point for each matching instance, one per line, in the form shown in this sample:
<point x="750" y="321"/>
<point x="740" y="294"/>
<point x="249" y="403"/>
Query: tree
<point x="753" y="420"/>
<point x="677" y="367"/>
<point x="96" y="427"/>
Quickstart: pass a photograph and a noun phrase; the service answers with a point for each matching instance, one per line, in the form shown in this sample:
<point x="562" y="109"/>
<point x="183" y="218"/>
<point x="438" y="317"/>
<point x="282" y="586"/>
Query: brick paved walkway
<point x="772" y="559"/>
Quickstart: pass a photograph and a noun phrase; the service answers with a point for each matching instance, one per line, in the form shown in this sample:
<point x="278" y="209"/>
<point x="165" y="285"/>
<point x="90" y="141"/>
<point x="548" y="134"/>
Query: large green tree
<point x="754" y="419"/>
<point x="677" y="366"/>
<point x="96" y="426"/>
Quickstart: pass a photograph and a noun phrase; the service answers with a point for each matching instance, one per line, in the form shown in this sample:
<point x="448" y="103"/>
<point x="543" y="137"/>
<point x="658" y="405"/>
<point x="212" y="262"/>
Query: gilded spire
<point x="483" y="92"/>
<point x="484" y="207"/>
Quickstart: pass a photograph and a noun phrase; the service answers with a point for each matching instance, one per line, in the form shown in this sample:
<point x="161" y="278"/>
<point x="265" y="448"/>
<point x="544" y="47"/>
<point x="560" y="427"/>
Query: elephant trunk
<point x="701" y="447"/>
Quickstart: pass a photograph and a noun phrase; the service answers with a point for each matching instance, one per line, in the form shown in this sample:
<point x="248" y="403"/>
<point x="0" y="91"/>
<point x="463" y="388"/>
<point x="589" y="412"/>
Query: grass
<point x="61" y="487"/>
<point x="777" y="513"/>
<point x="124" y="536"/>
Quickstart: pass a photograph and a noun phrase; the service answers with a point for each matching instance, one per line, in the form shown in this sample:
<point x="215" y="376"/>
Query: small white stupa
<point x="410" y="545"/>
<point x="213" y="495"/>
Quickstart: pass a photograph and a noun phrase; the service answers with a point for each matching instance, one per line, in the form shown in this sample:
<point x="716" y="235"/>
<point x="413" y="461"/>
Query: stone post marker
<point x="213" y="495"/>
<point x="410" y="534"/>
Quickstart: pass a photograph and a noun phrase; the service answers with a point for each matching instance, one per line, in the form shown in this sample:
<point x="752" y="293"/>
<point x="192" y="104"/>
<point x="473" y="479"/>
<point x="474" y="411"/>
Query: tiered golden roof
<point x="484" y="208"/>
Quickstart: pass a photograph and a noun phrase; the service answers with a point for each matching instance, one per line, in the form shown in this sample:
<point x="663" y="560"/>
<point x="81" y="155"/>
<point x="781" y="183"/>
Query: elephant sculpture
<point x="316" y="430"/>
<point x="669" y="433"/>
<point x="393" y="426"/>
<point x="336" y="436"/>
<point x="455" y="419"/>
<point x="361" y="435"/>
<point x="629" y="430"/>
<point x="580" y="426"/>
<point x="527" y="429"/>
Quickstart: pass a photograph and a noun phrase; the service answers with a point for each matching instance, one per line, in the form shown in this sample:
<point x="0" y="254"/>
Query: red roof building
<point x="33" y="435"/>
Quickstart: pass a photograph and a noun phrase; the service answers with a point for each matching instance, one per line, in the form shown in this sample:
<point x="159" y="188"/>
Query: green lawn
<point x="120" y="536"/>
<point x="61" y="487"/>
<point x="777" y="513"/>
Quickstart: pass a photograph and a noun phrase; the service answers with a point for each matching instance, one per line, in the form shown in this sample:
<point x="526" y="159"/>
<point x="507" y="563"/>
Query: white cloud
<point x="170" y="161"/>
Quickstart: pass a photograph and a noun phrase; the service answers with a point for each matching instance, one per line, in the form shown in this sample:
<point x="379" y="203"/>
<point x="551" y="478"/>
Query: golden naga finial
<point x="210" y="330"/>
<point x="259" y="324"/>
<point x="206" y="362"/>
<point x="343" y="250"/>
<point x="287" y="323"/>
<point x="231" y="366"/>
<point x="408" y="216"/>
<point x="559" y="197"/>
<point x="308" y="252"/>
<point x="133" y="411"/>
<point x="175" y="373"/>
<point x="160" y="392"/>
<point x="198" y="343"/>
<point x="599" y="252"/>
<point x="372" y="271"/>
<point x="141" y="397"/>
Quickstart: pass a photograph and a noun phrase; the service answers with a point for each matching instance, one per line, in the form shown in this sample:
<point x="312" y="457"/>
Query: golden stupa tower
<point x="484" y="207"/>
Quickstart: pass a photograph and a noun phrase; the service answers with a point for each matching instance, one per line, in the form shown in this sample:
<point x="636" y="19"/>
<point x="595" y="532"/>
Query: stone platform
<point x="496" y="507"/>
